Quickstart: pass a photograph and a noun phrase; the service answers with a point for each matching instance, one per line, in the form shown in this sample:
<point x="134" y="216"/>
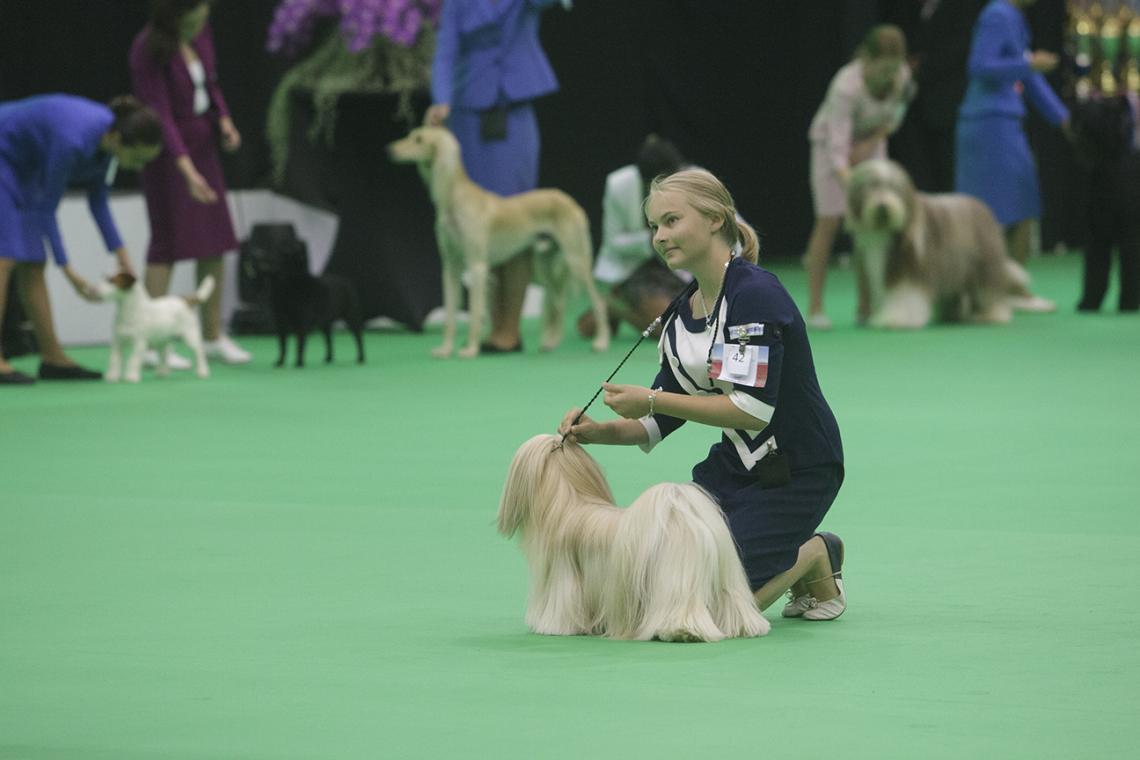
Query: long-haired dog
<point x="476" y="230"/>
<point x="666" y="567"/>
<point x="142" y="321"/>
<point x="930" y="256"/>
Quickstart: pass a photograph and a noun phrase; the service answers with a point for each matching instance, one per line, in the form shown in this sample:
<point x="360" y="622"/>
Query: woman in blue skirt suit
<point x="993" y="161"/>
<point x="735" y="356"/>
<point x="48" y="143"/>
<point x="488" y="68"/>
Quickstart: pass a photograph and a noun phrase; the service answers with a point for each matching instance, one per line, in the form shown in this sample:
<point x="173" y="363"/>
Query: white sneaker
<point x="819" y="321"/>
<point x="225" y="349"/>
<point x="173" y="360"/>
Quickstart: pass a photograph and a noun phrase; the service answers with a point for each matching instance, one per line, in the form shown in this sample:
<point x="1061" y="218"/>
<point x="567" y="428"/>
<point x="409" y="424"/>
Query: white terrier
<point x="141" y="321"/>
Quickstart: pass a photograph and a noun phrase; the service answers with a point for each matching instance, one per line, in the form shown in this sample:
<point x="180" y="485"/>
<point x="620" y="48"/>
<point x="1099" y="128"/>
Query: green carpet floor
<point x="303" y="563"/>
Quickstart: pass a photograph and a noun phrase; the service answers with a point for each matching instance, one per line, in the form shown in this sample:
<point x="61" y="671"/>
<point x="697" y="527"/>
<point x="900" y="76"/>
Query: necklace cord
<point x="662" y="318"/>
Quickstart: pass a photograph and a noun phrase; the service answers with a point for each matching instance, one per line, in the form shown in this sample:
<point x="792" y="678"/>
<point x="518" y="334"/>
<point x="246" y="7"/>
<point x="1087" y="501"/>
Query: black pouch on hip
<point x="773" y="470"/>
<point x="493" y="124"/>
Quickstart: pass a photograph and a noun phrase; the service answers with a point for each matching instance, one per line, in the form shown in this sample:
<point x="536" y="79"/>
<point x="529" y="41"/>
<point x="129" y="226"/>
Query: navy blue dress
<point x="768" y="524"/>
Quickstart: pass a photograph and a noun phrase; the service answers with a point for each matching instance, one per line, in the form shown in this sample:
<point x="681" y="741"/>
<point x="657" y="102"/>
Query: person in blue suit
<point x="48" y="143"/>
<point x="993" y="161"/>
<point x="489" y="66"/>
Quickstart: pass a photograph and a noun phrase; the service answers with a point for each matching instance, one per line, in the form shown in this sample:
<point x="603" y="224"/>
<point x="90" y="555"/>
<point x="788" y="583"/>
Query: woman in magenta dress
<point x="174" y="71"/>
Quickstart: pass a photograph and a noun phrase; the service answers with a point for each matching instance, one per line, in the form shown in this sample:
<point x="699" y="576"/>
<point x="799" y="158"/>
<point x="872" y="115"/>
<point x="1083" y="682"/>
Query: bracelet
<point x="652" y="398"/>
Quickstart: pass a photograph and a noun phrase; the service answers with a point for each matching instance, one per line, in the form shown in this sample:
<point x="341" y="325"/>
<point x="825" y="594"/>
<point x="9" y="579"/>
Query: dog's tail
<point x="1021" y="297"/>
<point x="202" y="294"/>
<point x="676" y="573"/>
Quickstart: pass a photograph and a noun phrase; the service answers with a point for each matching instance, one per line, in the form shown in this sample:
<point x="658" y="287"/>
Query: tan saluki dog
<point x="476" y="230"/>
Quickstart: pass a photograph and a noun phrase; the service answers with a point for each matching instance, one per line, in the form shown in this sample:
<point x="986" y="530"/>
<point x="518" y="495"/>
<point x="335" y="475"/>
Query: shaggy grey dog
<point x="931" y="256"/>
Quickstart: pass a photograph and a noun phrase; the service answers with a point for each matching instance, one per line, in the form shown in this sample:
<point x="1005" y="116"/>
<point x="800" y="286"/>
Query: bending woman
<point x="735" y="356"/>
<point x="48" y="143"/>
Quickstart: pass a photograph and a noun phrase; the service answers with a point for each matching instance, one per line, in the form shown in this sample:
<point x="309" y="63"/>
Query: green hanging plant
<point x="332" y="70"/>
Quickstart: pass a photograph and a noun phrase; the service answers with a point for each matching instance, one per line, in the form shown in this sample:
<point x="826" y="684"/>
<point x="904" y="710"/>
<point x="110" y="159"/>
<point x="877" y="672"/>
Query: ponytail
<point x="749" y="241"/>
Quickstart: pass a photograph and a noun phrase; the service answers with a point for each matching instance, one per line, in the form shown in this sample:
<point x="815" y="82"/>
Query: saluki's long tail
<point x="1021" y="297"/>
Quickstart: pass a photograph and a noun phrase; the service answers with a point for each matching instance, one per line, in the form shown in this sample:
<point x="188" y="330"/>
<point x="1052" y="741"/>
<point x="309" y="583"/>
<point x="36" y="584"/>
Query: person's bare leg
<point x="33" y="293"/>
<point x="157" y="279"/>
<point x="506" y="311"/>
<point x="1019" y="239"/>
<point x="6" y="267"/>
<point x="812" y="574"/>
<point x="815" y="258"/>
<point x="212" y="309"/>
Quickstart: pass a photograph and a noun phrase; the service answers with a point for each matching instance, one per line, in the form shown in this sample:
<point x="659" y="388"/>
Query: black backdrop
<point x="733" y="82"/>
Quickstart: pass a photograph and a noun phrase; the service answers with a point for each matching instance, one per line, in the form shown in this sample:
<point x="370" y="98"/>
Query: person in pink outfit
<point x="174" y="71"/>
<point x="865" y="102"/>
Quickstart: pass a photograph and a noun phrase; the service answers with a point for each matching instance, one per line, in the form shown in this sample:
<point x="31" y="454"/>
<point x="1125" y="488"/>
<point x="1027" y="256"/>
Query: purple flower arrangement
<point x="361" y="22"/>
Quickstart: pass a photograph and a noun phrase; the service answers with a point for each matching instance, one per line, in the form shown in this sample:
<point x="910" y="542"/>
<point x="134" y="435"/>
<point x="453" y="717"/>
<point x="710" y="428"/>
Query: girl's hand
<point x="1043" y="61"/>
<point x="629" y="401"/>
<point x="231" y="138"/>
<point x="864" y="149"/>
<point x="200" y="190"/>
<point x="585" y="431"/>
<point x="82" y="287"/>
<point x="436" y="115"/>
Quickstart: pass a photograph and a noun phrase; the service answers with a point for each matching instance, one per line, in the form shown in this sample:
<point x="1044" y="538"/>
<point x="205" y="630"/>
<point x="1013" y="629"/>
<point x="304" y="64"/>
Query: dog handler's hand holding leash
<point x="660" y="320"/>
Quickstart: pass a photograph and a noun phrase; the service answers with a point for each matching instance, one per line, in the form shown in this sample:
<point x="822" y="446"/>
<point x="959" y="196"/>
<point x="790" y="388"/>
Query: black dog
<point x="301" y="302"/>
<point x="1104" y="141"/>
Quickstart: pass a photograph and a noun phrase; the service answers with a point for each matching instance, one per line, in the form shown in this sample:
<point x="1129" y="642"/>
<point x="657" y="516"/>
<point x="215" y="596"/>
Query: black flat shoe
<point x="15" y="378"/>
<point x="491" y="348"/>
<point x="74" y="372"/>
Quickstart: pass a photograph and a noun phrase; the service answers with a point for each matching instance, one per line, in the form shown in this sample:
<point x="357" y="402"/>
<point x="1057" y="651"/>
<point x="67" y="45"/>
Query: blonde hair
<point x="711" y="198"/>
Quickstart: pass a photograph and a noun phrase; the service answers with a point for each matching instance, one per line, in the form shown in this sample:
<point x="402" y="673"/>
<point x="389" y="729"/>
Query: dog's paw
<point x="203" y="373"/>
<point x="111" y="377"/>
<point x="894" y="322"/>
<point x="600" y="346"/>
<point x="1033" y="304"/>
<point x="680" y="636"/>
<point x="132" y="377"/>
<point x="468" y="352"/>
<point x="441" y="352"/>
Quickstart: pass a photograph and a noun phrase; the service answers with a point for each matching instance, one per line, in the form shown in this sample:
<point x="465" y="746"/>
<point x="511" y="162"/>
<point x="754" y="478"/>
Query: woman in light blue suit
<point x="992" y="157"/>
<point x="489" y="66"/>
